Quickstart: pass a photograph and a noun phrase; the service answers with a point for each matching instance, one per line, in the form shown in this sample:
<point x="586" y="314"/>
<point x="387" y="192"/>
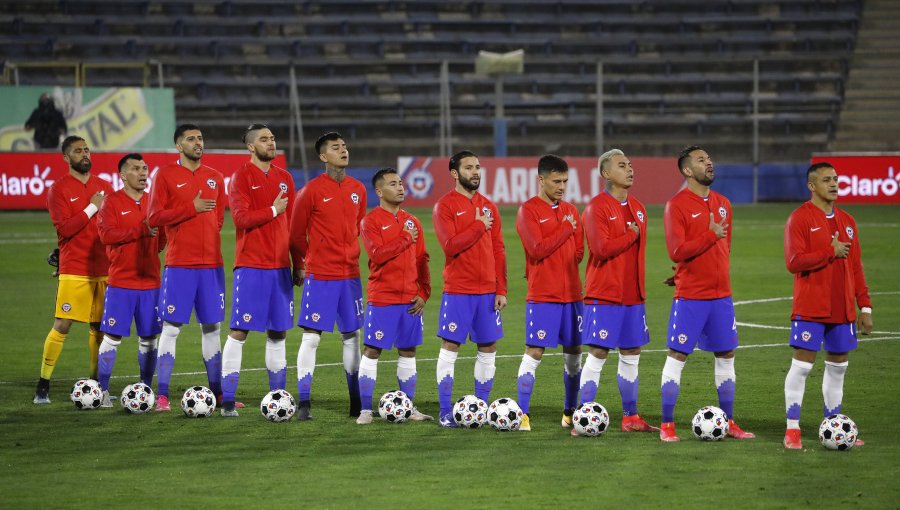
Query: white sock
<point x="146" y="345"/>
<point x="571" y="363"/>
<point x="628" y="366"/>
<point x="276" y="355"/>
<point x="445" y="364"/>
<point x="794" y="386"/>
<point x="211" y="340"/>
<point x="406" y="368"/>
<point x="723" y="370"/>
<point x="109" y="344"/>
<point x="167" y="339"/>
<point x="672" y="370"/>
<point x="833" y="384"/>
<point x="351" y="352"/>
<point x="593" y="367"/>
<point x="485" y="366"/>
<point x="368" y="367"/>
<point x="528" y="365"/>
<point x="306" y="355"/>
<point x="231" y="356"/>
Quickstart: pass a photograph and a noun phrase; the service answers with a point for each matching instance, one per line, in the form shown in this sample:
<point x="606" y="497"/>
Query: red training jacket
<point x="398" y="266"/>
<point x="80" y="250"/>
<point x="553" y="250"/>
<point x="810" y="257"/>
<point x="133" y="252"/>
<point x="610" y="242"/>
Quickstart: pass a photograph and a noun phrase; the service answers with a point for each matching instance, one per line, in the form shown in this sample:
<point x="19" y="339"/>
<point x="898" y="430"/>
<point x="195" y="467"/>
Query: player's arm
<point x="798" y="255"/>
<point x="381" y="252"/>
<point x="110" y="231"/>
<point x="422" y="269"/>
<point x="452" y="242"/>
<point x="536" y="246"/>
<point x="680" y="249"/>
<point x="162" y="212"/>
<point x="289" y="211"/>
<point x="361" y="213"/>
<point x="603" y="243"/>
<point x="221" y="203"/>
<point x="499" y="249"/>
<point x="863" y="301"/>
<point x="239" y="199"/>
<point x="579" y="238"/>
<point x="300" y="215"/>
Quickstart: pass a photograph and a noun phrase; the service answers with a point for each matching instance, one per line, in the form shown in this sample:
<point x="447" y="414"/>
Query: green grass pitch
<point x="57" y="457"/>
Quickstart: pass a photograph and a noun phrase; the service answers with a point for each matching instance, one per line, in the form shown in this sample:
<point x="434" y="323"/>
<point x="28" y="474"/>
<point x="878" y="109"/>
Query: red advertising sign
<point x="25" y="177"/>
<point x="512" y="181"/>
<point x="866" y="179"/>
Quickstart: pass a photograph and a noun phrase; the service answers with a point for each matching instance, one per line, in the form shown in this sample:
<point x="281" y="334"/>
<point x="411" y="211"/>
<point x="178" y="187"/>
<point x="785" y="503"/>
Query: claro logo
<point x="855" y="186"/>
<point x="16" y="186"/>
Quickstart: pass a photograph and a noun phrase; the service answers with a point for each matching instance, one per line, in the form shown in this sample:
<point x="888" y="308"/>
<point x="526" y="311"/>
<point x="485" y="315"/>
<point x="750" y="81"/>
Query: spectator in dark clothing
<point x="47" y="122"/>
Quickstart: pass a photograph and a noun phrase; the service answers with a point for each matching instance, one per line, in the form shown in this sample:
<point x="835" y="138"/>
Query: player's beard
<point x="468" y="184"/>
<point x="82" y="167"/>
<point x="704" y="179"/>
<point x="265" y="157"/>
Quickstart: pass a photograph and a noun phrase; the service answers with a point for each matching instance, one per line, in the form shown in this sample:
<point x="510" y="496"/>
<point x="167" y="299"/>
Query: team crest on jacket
<point x="211" y="183"/>
<point x="409" y="224"/>
<point x="486" y="211"/>
<point x="722" y="212"/>
<point x="849" y="231"/>
<point x="283" y="187"/>
<point x="640" y="215"/>
<point x="354" y="198"/>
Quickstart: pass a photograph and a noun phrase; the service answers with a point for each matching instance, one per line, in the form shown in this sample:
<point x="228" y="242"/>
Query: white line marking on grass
<point x="41" y="240"/>
<point x="788" y="298"/>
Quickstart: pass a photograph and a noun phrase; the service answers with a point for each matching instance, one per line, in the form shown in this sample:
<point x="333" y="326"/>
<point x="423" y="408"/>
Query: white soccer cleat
<point x="106" y="402"/>
<point x="419" y="416"/>
<point x="365" y="417"/>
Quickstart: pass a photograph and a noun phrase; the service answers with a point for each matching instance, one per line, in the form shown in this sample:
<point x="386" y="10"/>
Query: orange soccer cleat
<point x="667" y="432"/>
<point x="792" y="439"/>
<point x="736" y="432"/>
<point x="635" y="423"/>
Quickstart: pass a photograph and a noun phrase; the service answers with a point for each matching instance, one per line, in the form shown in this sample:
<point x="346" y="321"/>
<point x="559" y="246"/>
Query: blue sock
<point x="628" y="383"/>
<point x="106" y="360"/>
<point x="368" y="373"/>
<point x="671" y="384"/>
<point x="527" y="371"/>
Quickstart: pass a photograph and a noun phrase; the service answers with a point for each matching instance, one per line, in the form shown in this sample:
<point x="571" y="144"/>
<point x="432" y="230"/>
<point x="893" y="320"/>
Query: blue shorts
<point x="185" y="289"/>
<point x="392" y="326"/>
<point x="325" y="302"/>
<point x="707" y="322"/>
<point x="552" y="325"/>
<point x="838" y="338"/>
<point x="262" y="299"/>
<point x="615" y="326"/>
<point x="122" y="306"/>
<point x="464" y="315"/>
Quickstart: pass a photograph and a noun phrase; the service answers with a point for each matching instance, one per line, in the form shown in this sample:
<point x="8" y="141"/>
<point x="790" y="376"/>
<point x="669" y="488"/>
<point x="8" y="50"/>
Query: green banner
<point x="127" y="118"/>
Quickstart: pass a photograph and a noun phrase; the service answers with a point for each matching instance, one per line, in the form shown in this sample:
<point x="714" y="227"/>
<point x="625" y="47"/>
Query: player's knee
<point x="680" y="356"/>
<point x="372" y="352"/>
<point x="276" y="335"/>
<point x="210" y="328"/>
<point x="630" y="352"/>
<point x="238" y="334"/>
<point x="310" y="341"/>
<point x="171" y="329"/>
<point x="62" y="326"/>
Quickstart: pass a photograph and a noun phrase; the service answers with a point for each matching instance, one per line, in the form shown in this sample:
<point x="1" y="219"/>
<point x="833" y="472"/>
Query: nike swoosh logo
<point x="125" y="212"/>
<point x="327" y="199"/>
<point x="255" y="187"/>
<point x="74" y="199"/>
<point x="612" y="218"/>
<point x="461" y="213"/>
<point x="181" y="185"/>
<point x="543" y="220"/>
<point x="695" y="215"/>
<point x="386" y="227"/>
<point x="814" y="229"/>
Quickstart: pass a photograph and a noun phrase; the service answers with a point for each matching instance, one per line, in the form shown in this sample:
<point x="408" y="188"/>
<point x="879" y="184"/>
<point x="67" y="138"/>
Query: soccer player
<point x="553" y="240"/>
<point x="188" y="199"/>
<point x="698" y="238"/>
<point x="615" y="318"/>
<point x="822" y="250"/>
<point x="133" y="247"/>
<point x="468" y="228"/>
<point x="399" y="286"/>
<point x="73" y="202"/>
<point x="325" y="242"/>
<point x="262" y="299"/>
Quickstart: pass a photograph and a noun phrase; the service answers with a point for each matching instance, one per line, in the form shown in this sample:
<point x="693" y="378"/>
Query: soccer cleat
<point x="365" y="417"/>
<point x="635" y="423"/>
<point x="220" y="399"/>
<point x="566" y="421"/>
<point x="667" y="432"/>
<point x="229" y="410"/>
<point x="736" y="432"/>
<point x="303" y="411"/>
<point x="42" y="392"/>
<point x="416" y="416"/>
<point x="447" y="421"/>
<point x="859" y="442"/>
<point x="792" y="439"/>
<point x="162" y="404"/>
<point x="106" y="402"/>
<point x="525" y="426"/>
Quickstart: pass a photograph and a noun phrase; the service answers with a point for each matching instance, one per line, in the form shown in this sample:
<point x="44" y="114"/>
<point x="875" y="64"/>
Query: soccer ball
<point x="86" y="394"/>
<point x="137" y="398"/>
<point x="838" y="432"/>
<point x="591" y="419"/>
<point x="710" y="424"/>
<point x="278" y="405"/>
<point x="505" y="415"/>
<point x="198" y="402"/>
<point x="470" y="412"/>
<point x="395" y="407"/>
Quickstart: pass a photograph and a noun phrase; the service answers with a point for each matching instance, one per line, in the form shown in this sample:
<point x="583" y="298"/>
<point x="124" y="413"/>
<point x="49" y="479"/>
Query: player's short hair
<point x="379" y="175"/>
<point x="330" y="136"/>
<point x="552" y="163"/>
<point x="251" y="129"/>
<point x="69" y="141"/>
<point x="125" y="158"/>
<point x="459" y="156"/>
<point x="685" y="154"/>
<point x="815" y="167"/>
<point x="180" y="130"/>
<point x="606" y="157"/>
